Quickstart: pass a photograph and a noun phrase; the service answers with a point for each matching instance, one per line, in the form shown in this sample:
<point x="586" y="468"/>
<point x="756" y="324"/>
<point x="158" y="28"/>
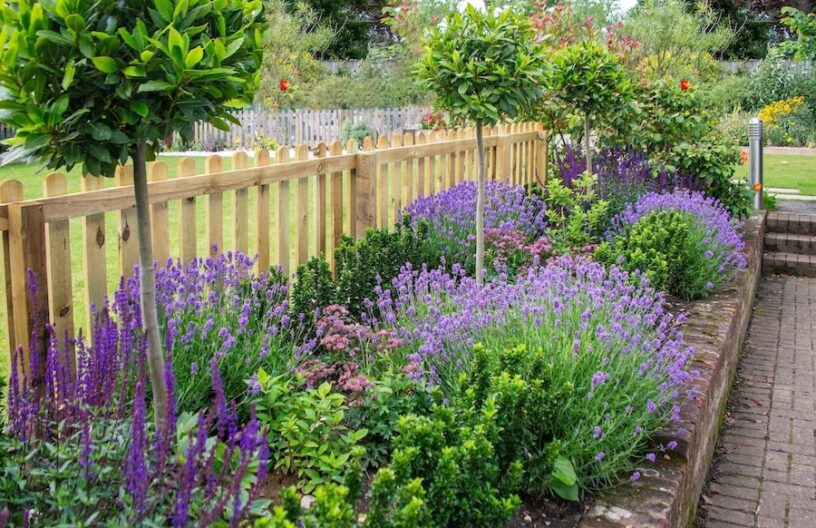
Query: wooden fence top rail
<point x="119" y="198"/>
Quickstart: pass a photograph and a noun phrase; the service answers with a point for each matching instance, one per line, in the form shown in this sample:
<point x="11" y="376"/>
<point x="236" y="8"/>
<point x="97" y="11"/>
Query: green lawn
<point x="32" y="184"/>
<point x="788" y="171"/>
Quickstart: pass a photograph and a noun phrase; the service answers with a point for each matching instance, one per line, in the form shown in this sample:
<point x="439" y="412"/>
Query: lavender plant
<point x="452" y="226"/>
<point x="607" y="344"/>
<point x="685" y="242"/>
<point x="85" y="452"/>
<point x="218" y="309"/>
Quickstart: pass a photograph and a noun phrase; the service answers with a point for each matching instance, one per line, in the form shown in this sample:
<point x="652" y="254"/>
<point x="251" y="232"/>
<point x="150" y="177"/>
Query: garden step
<point x="789" y="264"/>
<point x="795" y="223"/>
<point x="790" y="243"/>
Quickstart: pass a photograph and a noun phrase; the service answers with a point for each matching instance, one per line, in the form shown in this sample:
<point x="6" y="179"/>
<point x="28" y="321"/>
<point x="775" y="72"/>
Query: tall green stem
<point x="588" y="145"/>
<point x="480" y="203"/>
<point x="147" y="282"/>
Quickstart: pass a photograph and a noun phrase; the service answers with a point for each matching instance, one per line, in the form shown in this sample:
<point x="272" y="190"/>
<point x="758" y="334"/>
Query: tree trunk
<point x="588" y="147"/>
<point x="480" y="203"/>
<point x="147" y="282"/>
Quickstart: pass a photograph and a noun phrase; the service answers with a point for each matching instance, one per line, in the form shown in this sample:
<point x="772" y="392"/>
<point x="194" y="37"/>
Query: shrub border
<point x="667" y="493"/>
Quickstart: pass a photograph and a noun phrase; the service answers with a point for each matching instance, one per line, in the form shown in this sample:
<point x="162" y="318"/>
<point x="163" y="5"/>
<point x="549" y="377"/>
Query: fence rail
<point x="303" y="127"/>
<point x="297" y="208"/>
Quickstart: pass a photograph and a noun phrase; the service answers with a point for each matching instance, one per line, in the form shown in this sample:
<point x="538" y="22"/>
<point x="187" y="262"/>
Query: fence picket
<point x="96" y="282"/>
<point x="188" y="234"/>
<point x="240" y="208"/>
<point x="215" y="210"/>
<point x="10" y="191"/>
<point x="320" y="203"/>
<point x="302" y="226"/>
<point x="128" y="238"/>
<point x="283" y="251"/>
<point x="60" y="281"/>
<point x="262" y="214"/>
<point x="159" y="217"/>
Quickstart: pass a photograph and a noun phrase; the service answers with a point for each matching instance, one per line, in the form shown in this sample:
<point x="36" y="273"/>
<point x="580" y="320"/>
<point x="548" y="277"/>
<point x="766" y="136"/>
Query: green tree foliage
<point x="295" y="37"/>
<point x="591" y="80"/>
<point x="484" y="67"/>
<point x="804" y="26"/>
<point x="359" y="24"/>
<point x="94" y="83"/>
<point x="676" y="42"/>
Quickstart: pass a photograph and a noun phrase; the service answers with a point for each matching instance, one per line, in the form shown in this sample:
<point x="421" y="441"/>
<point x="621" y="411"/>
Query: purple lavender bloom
<point x="635" y="476"/>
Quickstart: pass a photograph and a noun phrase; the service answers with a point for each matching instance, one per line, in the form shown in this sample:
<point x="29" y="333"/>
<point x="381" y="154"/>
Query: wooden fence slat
<point x="336" y="203"/>
<point x="320" y="204"/>
<point x="159" y="217"/>
<point x="422" y="167"/>
<point x="96" y="272"/>
<point x="262" y="214"/>
<point x="383" y="182"/>
<point x="60" y="282"/>
<point x="302" y="153"/>
<point x="352" y="146"/>
<point x="128" y="238"/>
<point x="240" y="208"/>
<point x="10" y="191"/>
<point x="282" y="251"/>
<point x="27" y="247"/>
<point x="397" y="182"/>
<point x="410" y="176"/>
<point x="188" y="233"/>
<point x="361" y="189"/>
<point x="215" y="210"/>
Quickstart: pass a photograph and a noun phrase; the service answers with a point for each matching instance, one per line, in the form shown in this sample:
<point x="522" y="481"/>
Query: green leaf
<point x="569" y="493"/>
<point x="140" y="107"/>
<point x="155" y="86"/>
<point x="68" y="76"/>
<point x="165" y="9"/>
<point x="37" y="141"/>
<point x="105" y="64"/>
<point x="194" y="56"/>
<point x="134" y="70"/>
<point x="564" y="472"/>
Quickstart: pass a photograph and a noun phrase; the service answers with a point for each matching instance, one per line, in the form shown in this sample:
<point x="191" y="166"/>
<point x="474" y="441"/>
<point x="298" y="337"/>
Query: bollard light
<point x="755" y="159"/>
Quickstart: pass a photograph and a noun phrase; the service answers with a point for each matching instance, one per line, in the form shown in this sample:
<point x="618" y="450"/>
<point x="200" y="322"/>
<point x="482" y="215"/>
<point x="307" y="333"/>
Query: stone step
<point x="789" y="264"/>
<point x="793" y="223"/>
<point x="790" y="243"/>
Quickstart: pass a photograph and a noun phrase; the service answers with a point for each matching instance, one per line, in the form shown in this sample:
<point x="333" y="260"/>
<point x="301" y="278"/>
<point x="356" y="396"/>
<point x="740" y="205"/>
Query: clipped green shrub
<point x="374" y="260"/>
<point x="314" y="288"/>
<point x="357" y="130"/>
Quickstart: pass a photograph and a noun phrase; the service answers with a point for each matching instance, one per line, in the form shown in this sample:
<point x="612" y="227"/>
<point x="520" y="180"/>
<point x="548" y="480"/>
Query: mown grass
<point x="31" y="177"/>
<point x="788" y="171"/>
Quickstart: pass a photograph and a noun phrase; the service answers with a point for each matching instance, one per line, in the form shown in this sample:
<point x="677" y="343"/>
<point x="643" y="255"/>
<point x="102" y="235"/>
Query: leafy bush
<point x="685" y="243"/>
<point x="306" y="430"/>
<point x="373" y="261"/>
<point x="452" y="453"/>
<point x="212" y="311"/>
<point x="608" y="343"/>
<point x="670" y="123"/>
<point x="576" y="218"/>
<point x="789" y="122"/>
<point x="314" y="288"/>
<point x="451" y="230"/>
<point x="734" y="128"/>
<point x="357" y="130"/>
<point x="85" y="452"/>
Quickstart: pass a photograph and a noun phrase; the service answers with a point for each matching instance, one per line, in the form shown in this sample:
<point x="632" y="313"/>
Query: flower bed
<point x="557" y="378"/>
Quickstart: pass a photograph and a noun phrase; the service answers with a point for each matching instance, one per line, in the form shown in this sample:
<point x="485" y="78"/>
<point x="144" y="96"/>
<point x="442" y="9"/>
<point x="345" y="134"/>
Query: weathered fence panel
<point x="317" y="197"/>
<point x="302" y="127"/>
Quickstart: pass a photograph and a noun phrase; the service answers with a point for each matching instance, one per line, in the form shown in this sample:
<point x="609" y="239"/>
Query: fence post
<point x="27" y="248"/>
<point x="10" y="191"/>
<point x="361" y="195"/>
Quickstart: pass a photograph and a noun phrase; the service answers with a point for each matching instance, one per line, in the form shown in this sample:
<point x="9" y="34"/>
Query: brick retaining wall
<point x="667" y="493"/>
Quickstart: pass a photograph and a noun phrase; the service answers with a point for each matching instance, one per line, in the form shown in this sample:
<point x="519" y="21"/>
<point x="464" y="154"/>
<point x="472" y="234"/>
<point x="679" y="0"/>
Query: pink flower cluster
<point x="344" y="376"/>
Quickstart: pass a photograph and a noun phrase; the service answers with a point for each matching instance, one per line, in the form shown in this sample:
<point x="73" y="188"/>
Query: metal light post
<point x="755" y="159"/>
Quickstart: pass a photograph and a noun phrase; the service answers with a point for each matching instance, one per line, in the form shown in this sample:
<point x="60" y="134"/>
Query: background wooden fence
<point x="284" y="208"/>
<point x="303" y="127"/>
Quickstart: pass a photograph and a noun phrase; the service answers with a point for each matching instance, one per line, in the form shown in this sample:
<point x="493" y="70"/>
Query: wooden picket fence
<point x="303" y="201"/>
<point x="303" y="126"/>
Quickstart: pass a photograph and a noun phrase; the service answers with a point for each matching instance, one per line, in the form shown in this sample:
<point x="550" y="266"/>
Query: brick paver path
<point x="766" y="471"/>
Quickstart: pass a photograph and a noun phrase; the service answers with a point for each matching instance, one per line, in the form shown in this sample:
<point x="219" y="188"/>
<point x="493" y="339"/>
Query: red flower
<point x="684" y="85"/>
<point x="284" y="85"/>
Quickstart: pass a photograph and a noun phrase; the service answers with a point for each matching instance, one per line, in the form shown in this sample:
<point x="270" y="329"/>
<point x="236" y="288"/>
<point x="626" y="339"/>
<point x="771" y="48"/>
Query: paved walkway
<point x="765" y="472"/>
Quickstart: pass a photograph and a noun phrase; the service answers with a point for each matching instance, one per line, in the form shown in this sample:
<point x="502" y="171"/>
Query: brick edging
<point x="667" y="493"/>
